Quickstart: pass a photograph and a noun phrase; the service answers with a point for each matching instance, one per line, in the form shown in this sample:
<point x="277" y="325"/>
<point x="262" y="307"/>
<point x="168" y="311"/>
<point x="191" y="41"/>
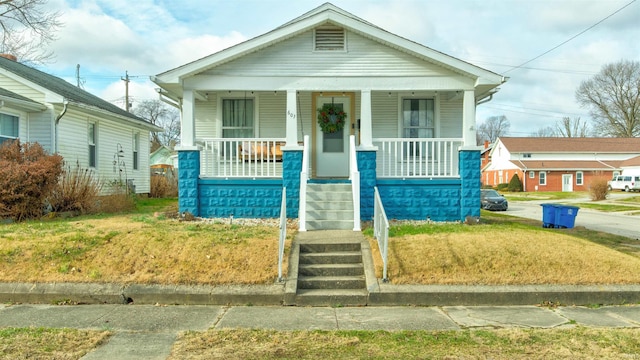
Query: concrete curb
<point x="277" y="294"/>
<point x="55" y="293"/>
<point x="454" y="295"/>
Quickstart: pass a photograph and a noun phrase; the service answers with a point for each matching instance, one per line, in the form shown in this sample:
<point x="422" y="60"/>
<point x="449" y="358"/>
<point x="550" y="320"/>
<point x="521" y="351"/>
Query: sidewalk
<point x="148" y="332"/>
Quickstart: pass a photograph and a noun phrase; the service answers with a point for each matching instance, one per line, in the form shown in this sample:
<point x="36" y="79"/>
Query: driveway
<point x="614" y="223"/>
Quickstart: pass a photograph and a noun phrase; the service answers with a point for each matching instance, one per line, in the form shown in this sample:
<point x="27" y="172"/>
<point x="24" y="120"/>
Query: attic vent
<point x="329" y="38"/>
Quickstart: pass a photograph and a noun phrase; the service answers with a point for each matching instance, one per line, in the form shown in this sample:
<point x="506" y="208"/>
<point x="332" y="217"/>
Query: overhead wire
<point x="571" y="38"/>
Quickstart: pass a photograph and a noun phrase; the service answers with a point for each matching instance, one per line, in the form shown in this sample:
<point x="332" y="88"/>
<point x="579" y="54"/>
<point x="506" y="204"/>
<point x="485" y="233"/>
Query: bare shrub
<point x="163" y="186"/>
<point x="598" y="189"/>
<point x="77" y="190"/>
<point x="27" y="176"/>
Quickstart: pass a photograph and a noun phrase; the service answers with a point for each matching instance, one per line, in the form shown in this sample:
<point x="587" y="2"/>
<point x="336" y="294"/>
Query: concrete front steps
<point x="329" y="206"/>
<point x="331" y="272"/>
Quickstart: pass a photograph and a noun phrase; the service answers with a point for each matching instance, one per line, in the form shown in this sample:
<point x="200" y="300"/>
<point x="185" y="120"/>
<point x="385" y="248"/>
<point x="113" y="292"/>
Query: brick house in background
<point x="558" y="164"/>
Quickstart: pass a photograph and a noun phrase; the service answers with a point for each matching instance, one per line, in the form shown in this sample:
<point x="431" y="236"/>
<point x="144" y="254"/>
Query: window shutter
<point x="329" y="38"/>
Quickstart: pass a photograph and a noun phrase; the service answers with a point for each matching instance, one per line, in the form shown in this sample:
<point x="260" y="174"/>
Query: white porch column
<point x="469" y="118"/>
<point x="188" y="120"/>
<point x="292" y="119"/>
<point x="366" y="126"/>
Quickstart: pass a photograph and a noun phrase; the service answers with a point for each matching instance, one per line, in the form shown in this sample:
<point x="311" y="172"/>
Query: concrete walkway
<point x="149" y="332"/>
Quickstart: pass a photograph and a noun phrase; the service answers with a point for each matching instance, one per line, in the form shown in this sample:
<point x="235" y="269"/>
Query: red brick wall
<point x="554" y="179"/>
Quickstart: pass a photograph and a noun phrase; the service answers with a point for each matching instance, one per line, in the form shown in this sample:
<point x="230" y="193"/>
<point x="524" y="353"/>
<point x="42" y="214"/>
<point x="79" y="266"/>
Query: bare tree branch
<point x="568" y="127"/>
<point x="613" y="99"/>
<point x="160" y="114"/>
<point x="27" y="29"/>
<point x="492" y="128"/>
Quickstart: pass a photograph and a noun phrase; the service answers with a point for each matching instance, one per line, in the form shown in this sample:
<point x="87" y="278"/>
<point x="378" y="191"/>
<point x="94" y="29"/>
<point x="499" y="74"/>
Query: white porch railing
<point x="283" y="231"/>
<point x="354" y="176"/>
<point x="252" y="158"/>
<point x="381" y="230"/>
<point x="417" y="158"/>
<point x="304" y="178"/>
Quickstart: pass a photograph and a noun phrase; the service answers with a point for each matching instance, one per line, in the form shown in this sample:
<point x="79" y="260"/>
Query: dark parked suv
<point x="491" y="200"/>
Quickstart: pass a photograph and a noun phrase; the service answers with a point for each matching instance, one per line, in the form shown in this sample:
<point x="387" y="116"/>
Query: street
<point x="614" y="223"/>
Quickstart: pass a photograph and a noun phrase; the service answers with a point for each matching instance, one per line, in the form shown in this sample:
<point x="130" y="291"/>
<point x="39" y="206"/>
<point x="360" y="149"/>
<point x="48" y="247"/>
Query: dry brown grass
<point x="505" y="255"/>
<point x="139" y="249"/>
<point x="568" y="343"/>
<point x="40" y="343"/>
<point x="150" y="248"/>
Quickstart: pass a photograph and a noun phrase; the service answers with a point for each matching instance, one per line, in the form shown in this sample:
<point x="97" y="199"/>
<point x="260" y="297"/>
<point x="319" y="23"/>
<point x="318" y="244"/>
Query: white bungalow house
<point x="409" y="126"/>
<point x="64" y="119"/>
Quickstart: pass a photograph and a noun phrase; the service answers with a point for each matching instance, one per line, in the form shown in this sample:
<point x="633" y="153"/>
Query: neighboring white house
<point x="559" y="164"/>
<point x="64" y="119"/>
<point x="409" y="126"/>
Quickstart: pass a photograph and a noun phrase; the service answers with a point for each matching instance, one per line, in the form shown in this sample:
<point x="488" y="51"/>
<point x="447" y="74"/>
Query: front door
<point x="331" y="150"/>
<point x="567" y="182"/>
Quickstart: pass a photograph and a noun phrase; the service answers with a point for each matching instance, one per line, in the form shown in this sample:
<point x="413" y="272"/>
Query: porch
<point x="417" y="179"/>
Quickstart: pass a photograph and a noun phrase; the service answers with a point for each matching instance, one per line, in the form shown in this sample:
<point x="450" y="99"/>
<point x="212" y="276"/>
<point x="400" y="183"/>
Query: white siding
<point x="21" y="89"/>
<point x="295" y="57"/>
<point x="39" y="128"/>
<point x="384" y="113"/>
<point x="206" y="114"/>
<point x="111" y="136"/>
<point x="272" y="108"/>
<point x="450" y="118"/>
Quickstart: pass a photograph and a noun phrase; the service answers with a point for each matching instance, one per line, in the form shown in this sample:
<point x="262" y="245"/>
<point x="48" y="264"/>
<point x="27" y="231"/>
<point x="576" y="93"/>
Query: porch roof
<point x="485" y="81"/>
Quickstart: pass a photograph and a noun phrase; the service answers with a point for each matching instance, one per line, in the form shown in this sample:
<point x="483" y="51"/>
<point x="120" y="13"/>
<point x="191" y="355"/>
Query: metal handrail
<point x="283" y="231"/>
<point x="381" y="231"/>
<point x="304" y="178"/>
<point x="354" y="176"/>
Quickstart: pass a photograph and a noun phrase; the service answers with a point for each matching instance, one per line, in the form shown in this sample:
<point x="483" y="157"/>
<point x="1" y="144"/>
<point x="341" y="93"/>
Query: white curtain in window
<point x="237" y="118"/>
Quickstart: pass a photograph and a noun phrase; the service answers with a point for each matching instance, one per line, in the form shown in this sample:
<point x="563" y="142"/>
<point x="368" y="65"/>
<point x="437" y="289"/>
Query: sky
<point x="110" y="38"/>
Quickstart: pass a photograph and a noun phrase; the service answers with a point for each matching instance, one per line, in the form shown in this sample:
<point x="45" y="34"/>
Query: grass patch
<point x="607" y="207"/>
<point x="575" y="343"/>
<point x="632" y="199"/>
<point x="552" y="195"/>
<point x="148" y="248"/>
<point x="504" y="250"/>
<point x="43" y="343"/>
<point x="139" y="248"/>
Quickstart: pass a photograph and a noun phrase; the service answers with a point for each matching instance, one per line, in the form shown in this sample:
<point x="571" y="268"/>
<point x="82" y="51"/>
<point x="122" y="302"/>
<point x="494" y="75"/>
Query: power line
<point x="571" y="38"/>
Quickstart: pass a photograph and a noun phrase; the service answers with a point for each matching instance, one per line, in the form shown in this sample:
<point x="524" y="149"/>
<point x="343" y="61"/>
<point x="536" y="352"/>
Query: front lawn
<point x="149" y="247"/>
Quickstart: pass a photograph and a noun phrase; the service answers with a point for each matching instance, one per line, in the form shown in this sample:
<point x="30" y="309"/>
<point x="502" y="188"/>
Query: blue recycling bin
<point x="566" y="216"/>
<point x="559" y="216"/>
<point x="548" y="215"/>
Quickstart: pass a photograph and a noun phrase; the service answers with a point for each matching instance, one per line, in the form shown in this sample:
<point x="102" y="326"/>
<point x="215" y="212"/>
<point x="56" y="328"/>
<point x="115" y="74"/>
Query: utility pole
<point x="79" y="81"/>
<point x="126" y="91"/>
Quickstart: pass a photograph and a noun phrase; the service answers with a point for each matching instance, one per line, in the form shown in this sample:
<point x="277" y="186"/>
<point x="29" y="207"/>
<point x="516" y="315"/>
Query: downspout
<point x="485" y="100"/>
<point x="64" y="111"/>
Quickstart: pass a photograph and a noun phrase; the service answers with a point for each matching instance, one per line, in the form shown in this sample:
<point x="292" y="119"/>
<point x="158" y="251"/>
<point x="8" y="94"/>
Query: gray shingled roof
<point x="65" y="89"/>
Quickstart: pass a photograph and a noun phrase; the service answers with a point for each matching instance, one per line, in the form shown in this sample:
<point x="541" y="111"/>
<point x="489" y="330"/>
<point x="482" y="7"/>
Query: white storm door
<point x="332" y="150"/>
<point x="567" y="182"/>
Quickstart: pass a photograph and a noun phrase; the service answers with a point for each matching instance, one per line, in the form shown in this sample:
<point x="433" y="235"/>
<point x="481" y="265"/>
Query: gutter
<point x="58" y="118"/>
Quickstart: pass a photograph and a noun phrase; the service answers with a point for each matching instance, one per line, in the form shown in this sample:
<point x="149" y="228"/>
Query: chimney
<point x="9" y="56"/>
<point x="486" y="144"/>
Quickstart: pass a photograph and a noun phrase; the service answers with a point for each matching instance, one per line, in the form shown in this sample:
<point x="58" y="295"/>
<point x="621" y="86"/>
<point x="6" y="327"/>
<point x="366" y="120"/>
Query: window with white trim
<point x="532" y="174"/>
<point x="418" y="122"/>
<point x="9" y="126"/>
<point x="237" y="118"/>
<point x="542" y="178"/>
<point x="136" y="150"/>
<point x="579" y="178"/>
<point x="92" y="132"/>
